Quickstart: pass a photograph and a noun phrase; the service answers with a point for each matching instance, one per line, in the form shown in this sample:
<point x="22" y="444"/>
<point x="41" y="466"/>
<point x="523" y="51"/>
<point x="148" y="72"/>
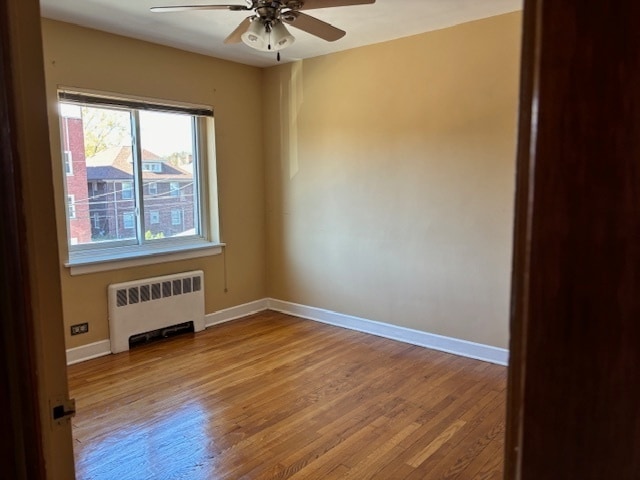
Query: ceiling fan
<point x="265" y="30"/>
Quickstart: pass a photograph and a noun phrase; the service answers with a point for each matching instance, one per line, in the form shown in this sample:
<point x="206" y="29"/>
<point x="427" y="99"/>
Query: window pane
<point x="176" y="217"/>
<point x="128" y="220"/>
<point x="71" y="201"/>
<point x="99" y="144"/>
<point x="68" y="163"/>
<point x="167" y="141"/>
<point x="127" y="190"/>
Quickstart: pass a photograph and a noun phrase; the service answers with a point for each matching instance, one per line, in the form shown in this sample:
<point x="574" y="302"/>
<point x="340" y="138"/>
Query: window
<point x="68" y="162"/>
<point x="71" y="206"/>
<point x="116" y="134"/>
<point x="127" y="190"/>
<point x="128" y="220"/>
<point x="176" y="217"/>
<point x="152" y="167"/>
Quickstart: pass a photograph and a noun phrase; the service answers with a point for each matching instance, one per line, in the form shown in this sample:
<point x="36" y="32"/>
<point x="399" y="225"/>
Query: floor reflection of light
<point x="175" y="445"/>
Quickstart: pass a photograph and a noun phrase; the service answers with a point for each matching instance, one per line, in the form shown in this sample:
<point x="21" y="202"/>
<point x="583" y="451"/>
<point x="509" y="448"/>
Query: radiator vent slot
<point x="155" y="308"/>
<point x="155" y="291"/>
<point x="145" y="296"/>
<point x="133" y="295"/>
<point x="121" y="297"/>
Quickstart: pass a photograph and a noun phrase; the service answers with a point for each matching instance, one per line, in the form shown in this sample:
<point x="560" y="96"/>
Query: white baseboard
<point x="456" y="346"/>
<point x="103" y="347"/>
<point x="87" y="352"/>
<point x="233" y="313"/>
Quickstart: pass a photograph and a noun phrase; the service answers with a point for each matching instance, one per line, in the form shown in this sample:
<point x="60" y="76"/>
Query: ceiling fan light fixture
<point x="280" y="37"/>
<point x="256" y="35"/>
<point x="274" y="38"/>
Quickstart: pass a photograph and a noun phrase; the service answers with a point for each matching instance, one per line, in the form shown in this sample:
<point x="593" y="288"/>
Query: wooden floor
<point x="274" y="396"/>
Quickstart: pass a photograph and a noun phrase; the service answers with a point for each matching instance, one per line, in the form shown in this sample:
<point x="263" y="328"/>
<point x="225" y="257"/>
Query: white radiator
<point x="154" y="303"/>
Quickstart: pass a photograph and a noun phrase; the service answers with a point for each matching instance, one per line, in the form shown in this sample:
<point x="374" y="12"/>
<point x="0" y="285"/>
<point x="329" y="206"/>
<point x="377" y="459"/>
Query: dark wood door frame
<point x="574" y="382"/>
<point x="19" y="420"/>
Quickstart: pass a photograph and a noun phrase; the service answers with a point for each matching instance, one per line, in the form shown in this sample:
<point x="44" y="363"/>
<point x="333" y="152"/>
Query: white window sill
<point x="83" y="262"/>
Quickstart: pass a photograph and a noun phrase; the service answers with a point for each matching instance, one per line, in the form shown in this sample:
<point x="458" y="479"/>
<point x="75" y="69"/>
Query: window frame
<point x="109" y="255"/>
<point x="71" y="207"/>
<point x="128" y="220"/>
<point x="174" y="189"/>
<point x="176" y="217"/>
<point x="128" y="189"/>
<point x="68" y="162"/>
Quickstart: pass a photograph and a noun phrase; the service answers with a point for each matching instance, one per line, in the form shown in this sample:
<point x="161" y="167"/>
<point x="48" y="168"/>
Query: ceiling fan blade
<point x="313" y="26"/>
<point x="236" y="35"/>
<point x="311" y="4"/>
<point x="182" y="8"/>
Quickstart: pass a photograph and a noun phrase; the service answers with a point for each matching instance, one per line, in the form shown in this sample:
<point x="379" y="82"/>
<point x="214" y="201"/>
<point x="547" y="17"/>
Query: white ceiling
<point x="203" y="31"/>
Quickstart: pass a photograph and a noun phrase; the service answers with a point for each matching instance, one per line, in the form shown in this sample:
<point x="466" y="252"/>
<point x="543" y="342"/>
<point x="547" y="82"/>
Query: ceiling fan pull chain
<point x="278" y="56"/>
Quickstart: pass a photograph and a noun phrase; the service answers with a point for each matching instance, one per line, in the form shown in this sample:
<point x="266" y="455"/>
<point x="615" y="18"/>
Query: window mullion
<point x="137" y="173"/>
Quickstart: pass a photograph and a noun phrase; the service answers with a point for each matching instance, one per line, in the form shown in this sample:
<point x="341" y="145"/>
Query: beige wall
<point x="390" y="182"/>
<point x="89" y="59"/>
<point x="389" y="174"/>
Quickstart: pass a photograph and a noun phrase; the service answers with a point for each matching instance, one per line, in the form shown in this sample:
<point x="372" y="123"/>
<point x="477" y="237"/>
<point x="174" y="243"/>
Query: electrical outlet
<point x="79" y="328"/>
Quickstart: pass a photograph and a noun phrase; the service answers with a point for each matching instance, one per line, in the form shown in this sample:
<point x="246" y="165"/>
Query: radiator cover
<point x="152" y="303"/>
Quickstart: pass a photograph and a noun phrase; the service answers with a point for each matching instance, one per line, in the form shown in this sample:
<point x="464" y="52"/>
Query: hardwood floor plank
<point x="437" y="442"/>
<point x="273" y="397"/>
<point x="455" y="457"/>
<point x="486" y="465"/>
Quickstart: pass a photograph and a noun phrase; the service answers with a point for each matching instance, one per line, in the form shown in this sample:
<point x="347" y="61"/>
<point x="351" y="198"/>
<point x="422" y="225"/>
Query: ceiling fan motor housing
<point x="267" y="13"/>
